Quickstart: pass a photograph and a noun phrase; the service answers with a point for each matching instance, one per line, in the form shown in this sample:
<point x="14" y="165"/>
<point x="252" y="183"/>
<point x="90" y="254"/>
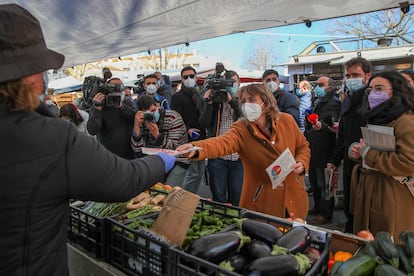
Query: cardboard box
<point x="176" y="215"/>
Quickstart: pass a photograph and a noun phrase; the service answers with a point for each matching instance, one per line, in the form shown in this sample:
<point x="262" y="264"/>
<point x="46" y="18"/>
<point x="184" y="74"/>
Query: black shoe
<point x="313" y="212"/>
<point x="319" y="220"/>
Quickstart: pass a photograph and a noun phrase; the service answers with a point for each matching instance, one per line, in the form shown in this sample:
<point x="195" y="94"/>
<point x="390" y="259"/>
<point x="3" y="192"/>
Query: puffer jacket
<point x="45" y="162"/>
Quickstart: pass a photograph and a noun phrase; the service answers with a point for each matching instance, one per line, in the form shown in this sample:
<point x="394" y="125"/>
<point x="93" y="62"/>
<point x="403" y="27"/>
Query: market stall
<point x="202" y="237"/>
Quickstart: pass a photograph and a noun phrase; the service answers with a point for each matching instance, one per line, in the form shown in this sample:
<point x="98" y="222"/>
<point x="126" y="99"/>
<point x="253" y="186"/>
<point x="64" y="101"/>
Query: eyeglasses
<point x="189" y="76"/>
<point x="378" y="88"/>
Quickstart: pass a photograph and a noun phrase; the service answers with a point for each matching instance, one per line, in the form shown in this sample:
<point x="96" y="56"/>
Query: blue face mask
<point x="297" y="92"/>
<point x="319" y="91"/>
<point x="157" y="115"/>
<point x="232" y="90"/>
<point x="354" y="84"/>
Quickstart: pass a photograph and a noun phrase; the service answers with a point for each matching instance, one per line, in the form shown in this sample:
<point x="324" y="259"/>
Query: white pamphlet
<point x="152" y="151"/>
<point x="281" y="168"/>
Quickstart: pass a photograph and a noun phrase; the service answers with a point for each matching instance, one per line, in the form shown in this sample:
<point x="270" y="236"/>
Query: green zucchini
<point x="407" y="239"/>
<point x="369" y="249"/>
<point x="387" y="270"/>
<point x="359" y="265"/>
<point x="335" y="268"/>
<point x="386" y="249"/>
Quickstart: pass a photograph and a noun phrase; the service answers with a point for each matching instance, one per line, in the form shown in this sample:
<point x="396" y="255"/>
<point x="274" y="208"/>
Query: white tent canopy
<point x="86" y="31"/>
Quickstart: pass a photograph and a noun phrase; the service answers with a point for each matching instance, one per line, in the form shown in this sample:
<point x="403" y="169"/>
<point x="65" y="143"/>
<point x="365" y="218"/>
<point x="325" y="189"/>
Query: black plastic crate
<point x="320" y="239"/>
<point x="137" y="252"/>
<point x="189" y="265"/>
<point x="140" y="252"/>
<point x="86" y="231"/>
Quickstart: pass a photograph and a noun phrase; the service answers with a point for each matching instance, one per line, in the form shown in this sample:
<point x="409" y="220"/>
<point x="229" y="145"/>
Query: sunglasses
<point x="189" y="76"/>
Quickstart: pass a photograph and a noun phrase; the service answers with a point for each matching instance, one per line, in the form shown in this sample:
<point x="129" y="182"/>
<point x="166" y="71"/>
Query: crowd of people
<point x="236" y="135"/>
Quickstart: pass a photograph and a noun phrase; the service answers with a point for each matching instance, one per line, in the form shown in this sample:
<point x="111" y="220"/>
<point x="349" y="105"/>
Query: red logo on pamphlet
<point x="276" y="170"/>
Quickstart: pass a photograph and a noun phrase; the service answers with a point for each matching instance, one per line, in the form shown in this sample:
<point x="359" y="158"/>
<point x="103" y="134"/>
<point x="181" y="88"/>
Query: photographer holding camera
<point x="326" y="108"/>
<point x="220" y="109"/>
<point x="187" y="102"/>
<point x="155" y="127"/>
<point x="111" y="119"/>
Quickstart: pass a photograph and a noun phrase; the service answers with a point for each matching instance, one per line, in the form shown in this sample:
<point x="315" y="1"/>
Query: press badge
<point x="281" y="168"/>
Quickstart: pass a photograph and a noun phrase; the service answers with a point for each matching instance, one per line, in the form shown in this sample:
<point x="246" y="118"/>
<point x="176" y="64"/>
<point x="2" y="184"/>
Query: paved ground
<point x="338" y="220"/>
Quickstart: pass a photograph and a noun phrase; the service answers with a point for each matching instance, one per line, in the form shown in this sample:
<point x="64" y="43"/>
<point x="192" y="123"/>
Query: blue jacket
<point x="287" y="103"/>
<point x="305" y="102"/>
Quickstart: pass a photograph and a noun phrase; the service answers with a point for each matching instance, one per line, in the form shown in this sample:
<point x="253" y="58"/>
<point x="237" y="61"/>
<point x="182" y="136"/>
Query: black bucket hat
<point x="23" y="50"/>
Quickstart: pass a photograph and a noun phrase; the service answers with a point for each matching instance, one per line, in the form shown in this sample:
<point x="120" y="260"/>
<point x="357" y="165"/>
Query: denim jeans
<point x="194" y="175"/>
<point x="176" y="176"/>
<point x="323" y="203"/>
<point x="226" y="180"/>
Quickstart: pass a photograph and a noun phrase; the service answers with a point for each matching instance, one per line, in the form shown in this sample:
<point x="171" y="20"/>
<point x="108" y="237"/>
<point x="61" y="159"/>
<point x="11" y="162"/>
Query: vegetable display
<point x="380" y="256"/>
<point x="266" y="250"/>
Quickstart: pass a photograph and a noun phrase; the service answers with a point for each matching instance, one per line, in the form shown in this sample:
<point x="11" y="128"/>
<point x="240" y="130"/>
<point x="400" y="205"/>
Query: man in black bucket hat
<point x="45" y="161"/>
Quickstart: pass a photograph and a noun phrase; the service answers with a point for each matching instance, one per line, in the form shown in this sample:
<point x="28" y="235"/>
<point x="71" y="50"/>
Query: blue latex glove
<point x="169" y="161"/>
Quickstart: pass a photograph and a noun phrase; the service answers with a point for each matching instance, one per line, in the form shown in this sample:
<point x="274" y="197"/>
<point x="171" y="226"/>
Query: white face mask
<point x="273" y="86"/>
<point x="48" y="102"/>
<point x="151" y="89"/>
<point x="251" y="111"/>
<point x="190" y="83"/>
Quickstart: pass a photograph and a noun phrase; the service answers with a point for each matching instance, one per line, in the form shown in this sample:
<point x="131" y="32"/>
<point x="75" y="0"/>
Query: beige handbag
<point x="406" y="180"/>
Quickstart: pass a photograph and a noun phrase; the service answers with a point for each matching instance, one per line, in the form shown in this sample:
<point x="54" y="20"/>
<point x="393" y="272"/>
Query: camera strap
<point x="161" y="120"/>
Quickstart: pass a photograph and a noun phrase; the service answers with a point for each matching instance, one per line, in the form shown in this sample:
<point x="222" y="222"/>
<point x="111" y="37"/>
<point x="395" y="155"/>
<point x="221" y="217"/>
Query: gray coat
<point x="45" y="162"/>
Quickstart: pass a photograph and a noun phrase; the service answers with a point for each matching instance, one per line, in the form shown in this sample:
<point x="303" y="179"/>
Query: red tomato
<point x="365" y="234"/>
<point x="330" y="264"/>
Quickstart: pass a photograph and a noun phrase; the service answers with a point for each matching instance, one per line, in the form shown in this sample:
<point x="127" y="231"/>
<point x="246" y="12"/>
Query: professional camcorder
<point x="218" y="83"/>
<point x="113" y="94"/>
<point x="93" y="85"/>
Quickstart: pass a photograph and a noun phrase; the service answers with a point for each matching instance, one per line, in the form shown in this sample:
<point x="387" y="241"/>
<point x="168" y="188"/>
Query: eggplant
<point x="407" y="240"/>
<point x="235" y="263"/>
<point x="278" y="265"/>
<point x="256" y="249"/>
<point x="217" y="247"/>
<point x="385" y="247"/>
<point x="259" y="230"/>
<point x="404" y="261"/>
<point x="296" y="240"/>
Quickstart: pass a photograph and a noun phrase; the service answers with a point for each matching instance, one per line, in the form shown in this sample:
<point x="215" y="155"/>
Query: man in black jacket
<point x="45" y="161"/>
<point x="322" y="143"/>
<point x="113" y="123"/>
<point x="286" y="102"/>
<point x="187" y="102"/>
<point x="357" y="73"/>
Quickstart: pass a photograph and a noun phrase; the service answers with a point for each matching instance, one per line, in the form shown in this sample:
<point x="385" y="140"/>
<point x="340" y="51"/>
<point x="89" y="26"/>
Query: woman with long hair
<point x="380" y="199"/>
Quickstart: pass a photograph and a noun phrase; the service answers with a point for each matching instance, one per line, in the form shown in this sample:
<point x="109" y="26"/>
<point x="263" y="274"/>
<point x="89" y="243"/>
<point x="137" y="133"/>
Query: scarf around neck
<point x="386" y="112"/>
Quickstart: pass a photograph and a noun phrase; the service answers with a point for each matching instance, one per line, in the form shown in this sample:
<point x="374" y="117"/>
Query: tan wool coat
<point x="380" y="203"/>
<point x="257" y="152"/>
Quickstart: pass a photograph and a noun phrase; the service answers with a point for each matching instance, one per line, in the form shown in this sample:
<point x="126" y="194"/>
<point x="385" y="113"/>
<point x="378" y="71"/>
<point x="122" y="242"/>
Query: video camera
<point x="113" y="94"/>
<point x="93" y="85"/>
<point x="218" y="83"/>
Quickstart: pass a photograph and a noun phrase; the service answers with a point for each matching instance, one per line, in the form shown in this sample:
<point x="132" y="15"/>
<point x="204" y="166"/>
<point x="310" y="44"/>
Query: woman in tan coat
<point x="380" y="202"/>
<point x="259" y="138"/>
